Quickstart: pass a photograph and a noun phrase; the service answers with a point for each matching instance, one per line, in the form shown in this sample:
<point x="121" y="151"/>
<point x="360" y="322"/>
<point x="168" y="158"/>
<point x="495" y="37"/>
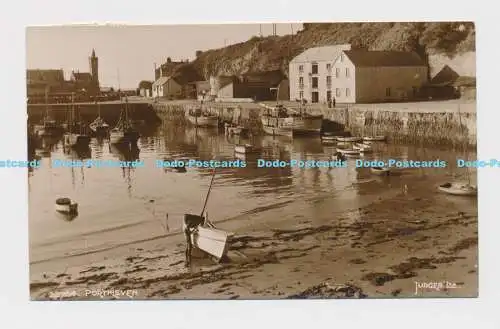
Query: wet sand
<point x="396" y="241"/>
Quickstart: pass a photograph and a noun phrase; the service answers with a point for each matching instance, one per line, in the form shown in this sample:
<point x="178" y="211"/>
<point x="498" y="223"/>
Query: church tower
<point x="94" y="71"/>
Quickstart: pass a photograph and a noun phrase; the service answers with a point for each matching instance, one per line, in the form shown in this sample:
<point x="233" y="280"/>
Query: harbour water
<point x="120" y="206"/>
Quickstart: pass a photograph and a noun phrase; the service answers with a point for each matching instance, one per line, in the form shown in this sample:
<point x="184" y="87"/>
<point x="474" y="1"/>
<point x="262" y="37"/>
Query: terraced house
<point x="339" y="73"/>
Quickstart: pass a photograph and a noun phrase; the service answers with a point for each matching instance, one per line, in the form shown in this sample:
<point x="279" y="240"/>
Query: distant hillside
<point x="274" y="53"/>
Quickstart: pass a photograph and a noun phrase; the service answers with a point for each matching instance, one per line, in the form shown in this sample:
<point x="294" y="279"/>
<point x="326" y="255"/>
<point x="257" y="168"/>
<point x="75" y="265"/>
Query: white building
<point x="355" y="76"/>
<point x="166" y="87"/>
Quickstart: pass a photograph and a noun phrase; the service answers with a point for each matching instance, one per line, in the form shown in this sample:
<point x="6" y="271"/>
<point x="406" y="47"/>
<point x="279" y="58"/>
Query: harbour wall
<point x="87" y="112"/>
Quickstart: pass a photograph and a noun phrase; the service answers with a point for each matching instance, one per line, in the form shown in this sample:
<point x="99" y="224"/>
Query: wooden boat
<point x="349" y="139"/>
<point x="66" y="206"/>
<point x="246" y="149"/>
<point x="381" y="171"/>
<point x="201" y="118"/>
<point x="99" y="127"/>
<point x="379" y="138"/>
<point x="123" y="132"/>
<point x="363" y="148"/>
<point x="73" y="139"/>
<point x="300" y="121"/>
<point x="348" y="151"/>
<point x="278" y="131"/>
<point x="213" y="241"/>
<point x="49" y="126"/>
<point x="463" y="189"/>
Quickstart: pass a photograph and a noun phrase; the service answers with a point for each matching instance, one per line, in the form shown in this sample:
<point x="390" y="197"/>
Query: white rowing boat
<point x="363" y="148"/>
<point x="213" y="241"/>
<point x="463" y="189"/>
<point x="66" y="206"/>
<point x="380" y="171"/>
<point x="245" y="149"/>
<point x="349" y="139"/>
<point x="374" y="138"/>
<point x="348" y="151"/>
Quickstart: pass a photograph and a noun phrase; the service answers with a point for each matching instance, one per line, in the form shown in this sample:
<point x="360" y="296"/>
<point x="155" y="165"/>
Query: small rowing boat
<point x="363" y="148"/>
<point x="348" y="151"/>
<point x="374" y="138"/>
<point x="66" y="206"/>
<point x="213" y="241"/>
<point x="351" y="139"/>
<point x="381" y="171"/>
<point x="245" y="149"/>
<point x="463" y="189"/>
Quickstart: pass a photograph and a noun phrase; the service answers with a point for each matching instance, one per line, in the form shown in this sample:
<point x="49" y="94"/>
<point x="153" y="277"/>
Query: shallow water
<point x="120" y="206"/>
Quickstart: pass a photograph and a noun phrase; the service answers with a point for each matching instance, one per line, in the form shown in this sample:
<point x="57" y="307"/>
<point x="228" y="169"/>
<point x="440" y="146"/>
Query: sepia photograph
<point x="252" y="161"/>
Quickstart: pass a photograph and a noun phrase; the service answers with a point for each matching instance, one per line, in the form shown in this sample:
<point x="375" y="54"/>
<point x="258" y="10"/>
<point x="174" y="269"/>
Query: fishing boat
<point x="300" y="122"/>
<point x="381" y="171"/>
<point x="99" y="127"/>
<point x="348" y="151"/>
<point x="456" y="188"/>
<point x="49" y="126"/>
<point x="349" y="139"/>
<point x="245" y="149"/>
<point x="66" y="206"/>
<point x="123" y="132"/>
<point x="374" y="138"/>
<point x="363" y="148"/>
<point x="71" y="138"/>
<point x="200" y="117"/>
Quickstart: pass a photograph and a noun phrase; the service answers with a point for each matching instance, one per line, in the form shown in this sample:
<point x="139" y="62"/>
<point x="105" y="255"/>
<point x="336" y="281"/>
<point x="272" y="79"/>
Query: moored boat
<point x="71" y="138"/>
<point x="66" y="206"/>
<point x="201" y="118"/>
<point x="363" y="148"/>
<point x="99" y="127"/>
<point x="348" y="151"/>
<point x="245" y="149"/>
<point x="379" y="138"/>
<point x="349" y="139"/>
<point x="462" y="189"/>
<point x="380" y="171"/>
<point x="300" y="121"/>
<point x="123" y="132"/>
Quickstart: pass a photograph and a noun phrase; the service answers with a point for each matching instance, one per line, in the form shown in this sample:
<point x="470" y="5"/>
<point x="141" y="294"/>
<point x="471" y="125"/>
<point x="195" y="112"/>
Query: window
<point x="347" y="92"/>
<point x="301" y="94"/>
<point x="329" y="67"/>
<point x="314" y="97"/>
<point x="301" y="82"/>
<point x="347" y="72"/>
<point x="328" y="82"/>
<point x="301" y="68"/>
<point x="314" y="68"/>
<point x="337" y="92"/>
<point x="315" y="82"/>
<point x="328" y="95"/>
<point x="388" y="92"/>
<point x="337" y="72"/>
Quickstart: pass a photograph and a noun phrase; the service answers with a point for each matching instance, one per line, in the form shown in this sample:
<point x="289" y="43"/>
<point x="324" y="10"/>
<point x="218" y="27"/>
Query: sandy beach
<point x="405" y="244"/>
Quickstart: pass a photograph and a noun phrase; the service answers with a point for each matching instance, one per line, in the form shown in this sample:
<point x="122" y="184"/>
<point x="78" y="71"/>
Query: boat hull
<point x="460" y="190"/>
<point x="245" y="149"/>
<point x="374" y="138"/>
<point x="203" y="121"/>
<point x="348" y="151"/>
<point x="349" y="139"/>
<point x="380" y="171"/>
<point x="77" y="140"/>
<point x="212" y="241"/>
<point x="298" y="125"/>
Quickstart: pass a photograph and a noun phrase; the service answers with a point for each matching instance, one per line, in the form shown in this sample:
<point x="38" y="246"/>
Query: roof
<point x="38" y="75"/>
<point x="161" y="81"/>
<point x="365" y="58"/>
<point x="325" y="53"/>
<point x="82" y="76"/>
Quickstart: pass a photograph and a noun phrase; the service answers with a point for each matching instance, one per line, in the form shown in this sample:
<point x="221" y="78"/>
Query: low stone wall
<point x="416" y="123"/>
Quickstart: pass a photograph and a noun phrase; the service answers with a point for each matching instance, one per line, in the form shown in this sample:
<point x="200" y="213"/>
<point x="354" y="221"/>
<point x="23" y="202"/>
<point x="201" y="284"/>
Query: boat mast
<point x="208" y="193"/>
<point x="71" y="114"/>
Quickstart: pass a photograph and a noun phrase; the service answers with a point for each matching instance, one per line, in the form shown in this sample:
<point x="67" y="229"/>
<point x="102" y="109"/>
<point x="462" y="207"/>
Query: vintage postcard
<point x="252" y="161"/>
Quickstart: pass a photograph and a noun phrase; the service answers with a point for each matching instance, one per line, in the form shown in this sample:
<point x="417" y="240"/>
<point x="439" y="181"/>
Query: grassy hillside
<point x="272" y="53"/>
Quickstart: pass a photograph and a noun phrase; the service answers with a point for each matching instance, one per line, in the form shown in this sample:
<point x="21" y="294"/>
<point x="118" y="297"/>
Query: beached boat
<point x="348" y="151"/>
<point x="349" y="139"/>
<point x="213" y="241"/>
<point x="374" y="138"/>
<point x="338" y="157"/>
<point x="300" y="122"/>
<point x="71" y="138"/>
<point x="463" y="189"/>
<point x="246" y="149"/>
<point x="99" y="127"/>
<point x="66" y="206"/>
<point x="363" y="148"/>
<point x="381" y="171"/>
<point x="123" y="132"/>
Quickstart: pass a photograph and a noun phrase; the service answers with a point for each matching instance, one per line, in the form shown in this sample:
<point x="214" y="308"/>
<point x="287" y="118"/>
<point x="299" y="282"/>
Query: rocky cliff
<point x="274" y="53"/>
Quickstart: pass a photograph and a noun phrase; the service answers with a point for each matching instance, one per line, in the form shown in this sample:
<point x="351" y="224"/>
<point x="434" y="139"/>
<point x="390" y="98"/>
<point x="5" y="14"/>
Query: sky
<point x="127" y="54"/>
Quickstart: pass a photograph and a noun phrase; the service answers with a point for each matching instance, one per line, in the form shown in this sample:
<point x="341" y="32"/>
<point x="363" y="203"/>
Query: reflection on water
<point x="122" y="205"/>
